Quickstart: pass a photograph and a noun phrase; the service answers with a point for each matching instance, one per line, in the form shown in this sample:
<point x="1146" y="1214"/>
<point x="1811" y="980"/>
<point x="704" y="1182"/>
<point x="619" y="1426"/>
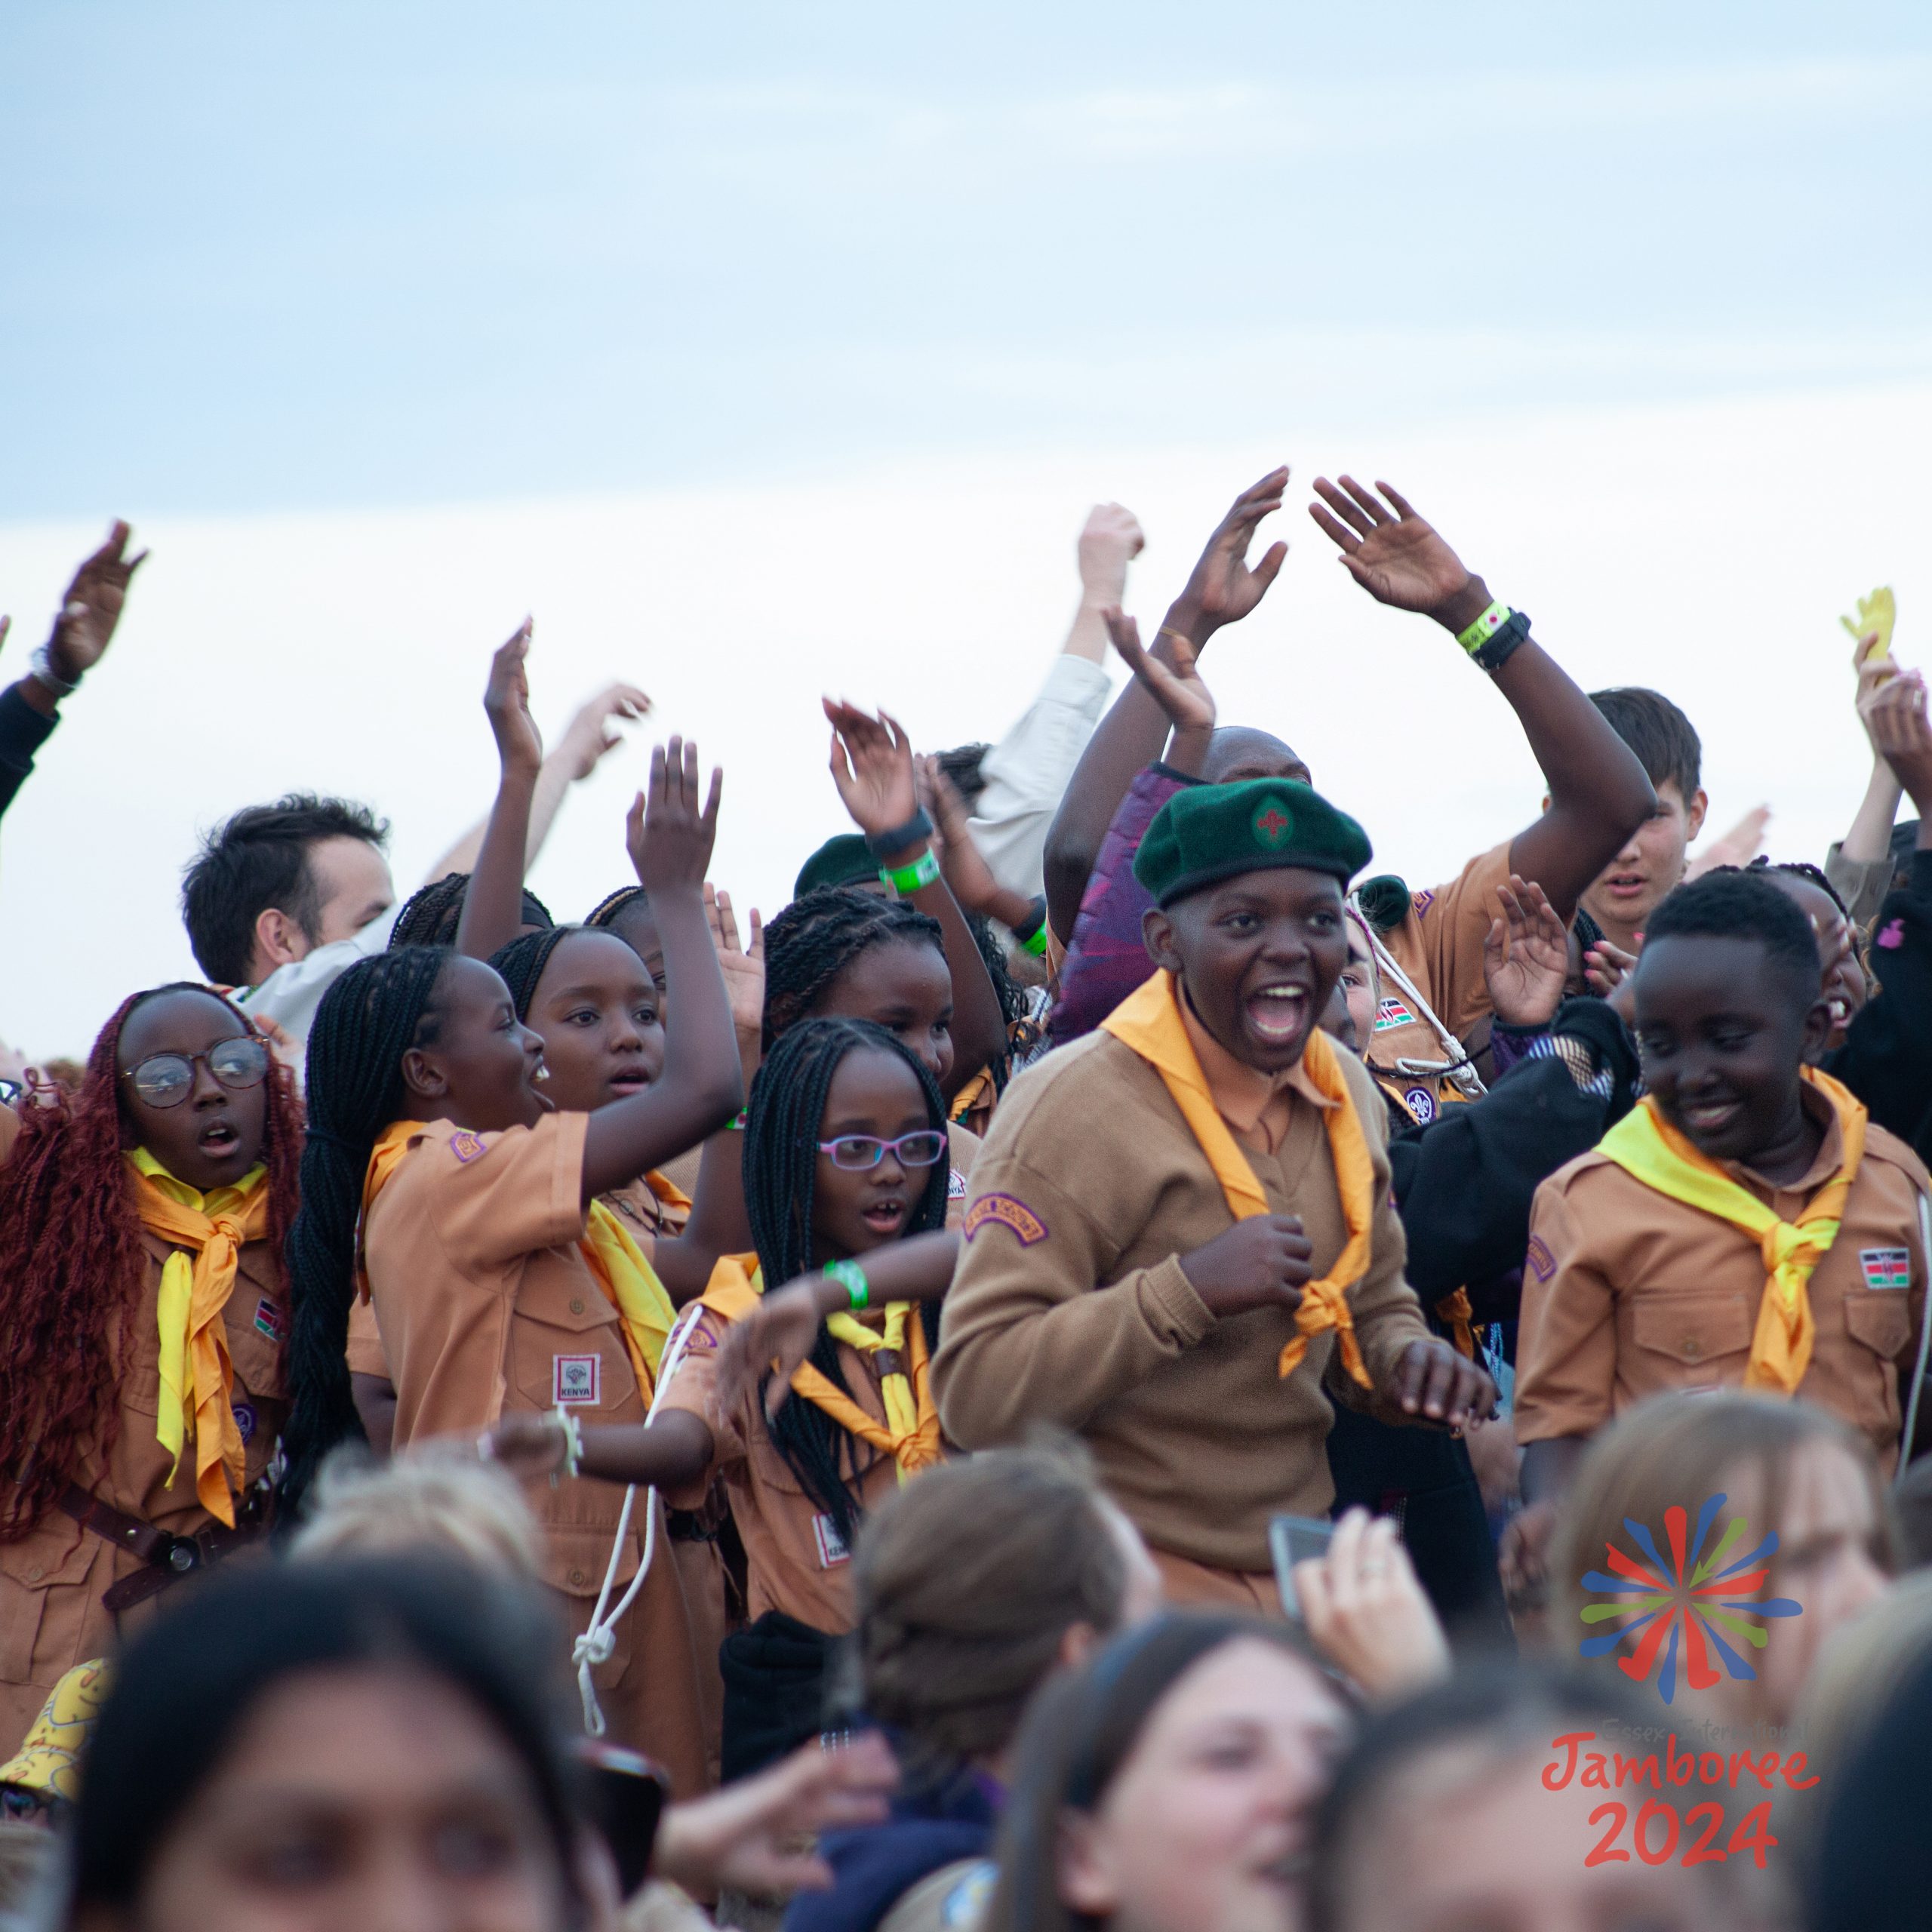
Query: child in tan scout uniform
<point x="1746" y="1225"/>
<point x="427" y="1112"/>
<point x="142" y="1300"/>
<point x="846" y="1171"/>
<point x="1180" y="1227"/>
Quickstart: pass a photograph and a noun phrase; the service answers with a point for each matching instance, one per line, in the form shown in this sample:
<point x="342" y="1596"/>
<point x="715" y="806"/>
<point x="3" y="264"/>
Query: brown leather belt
<point x="167" y="1558"/>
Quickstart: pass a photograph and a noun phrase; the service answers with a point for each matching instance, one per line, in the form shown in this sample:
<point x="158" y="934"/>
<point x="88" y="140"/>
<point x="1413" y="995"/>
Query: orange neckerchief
<point x="1149" y="1021"/>
<point x="216" y="1241"/>
<point x="1649" y="1150"/>
<point x="1454" y="1308"/>
<point x="912" y="1438"/>
<point x="384" y="1159"/>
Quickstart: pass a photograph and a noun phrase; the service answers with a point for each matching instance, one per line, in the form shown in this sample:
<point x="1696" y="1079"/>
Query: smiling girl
<point x="426" y="1095"/>
<point x="844" y="1161"/>
<point x="144" y="1306"/>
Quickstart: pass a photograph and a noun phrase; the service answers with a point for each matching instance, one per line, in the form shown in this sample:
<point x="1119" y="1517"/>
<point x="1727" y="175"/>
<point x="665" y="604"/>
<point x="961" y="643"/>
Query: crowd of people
<point x="1109" y="1364"/>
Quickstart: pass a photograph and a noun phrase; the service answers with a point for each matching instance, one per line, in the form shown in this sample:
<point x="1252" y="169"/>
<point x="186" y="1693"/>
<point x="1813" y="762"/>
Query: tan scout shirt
<point x="51" y="1581"/>
<point x="1439" y="947"/>
<point x="1070" y="1305"/>
<point x="1627" y="1293"/>
<point x="795" y="1561"/>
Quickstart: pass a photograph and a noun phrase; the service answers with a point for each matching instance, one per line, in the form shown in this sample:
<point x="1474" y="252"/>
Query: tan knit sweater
<point x="1070" y="1307"/>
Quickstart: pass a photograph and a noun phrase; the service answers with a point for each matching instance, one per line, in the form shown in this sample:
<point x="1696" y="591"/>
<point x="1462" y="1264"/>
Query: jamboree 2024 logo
<point x="1688" y="1615"/>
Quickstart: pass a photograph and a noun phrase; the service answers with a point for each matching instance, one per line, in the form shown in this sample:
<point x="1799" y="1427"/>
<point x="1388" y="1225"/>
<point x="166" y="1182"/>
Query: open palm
<point x="872" y="765"/>
<point x="1394" y="554"/>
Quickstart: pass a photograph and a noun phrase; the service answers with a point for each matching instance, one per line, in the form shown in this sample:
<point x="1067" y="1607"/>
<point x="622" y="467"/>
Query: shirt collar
<point x="1241" y="1094"/>
<point x="183" y="1195"/>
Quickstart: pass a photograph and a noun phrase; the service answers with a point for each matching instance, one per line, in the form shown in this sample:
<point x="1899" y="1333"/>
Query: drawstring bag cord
<point x="1458" y="1069"/>
<point x="600" y="1637"/>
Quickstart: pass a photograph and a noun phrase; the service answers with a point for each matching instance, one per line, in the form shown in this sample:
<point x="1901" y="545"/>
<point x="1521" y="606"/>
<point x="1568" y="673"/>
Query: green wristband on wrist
<point x="906" y="880"/>
<point x="851" y="1278"/>
<point x="1037" y="944"/>
<point x="1485" y="628"/>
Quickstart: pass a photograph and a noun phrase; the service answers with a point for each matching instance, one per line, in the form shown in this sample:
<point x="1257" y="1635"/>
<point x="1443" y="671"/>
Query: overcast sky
<point x="394" y="320"/>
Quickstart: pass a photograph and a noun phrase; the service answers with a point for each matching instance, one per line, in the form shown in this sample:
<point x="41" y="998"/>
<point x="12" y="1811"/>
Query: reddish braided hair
<point x="71" y="1280"/>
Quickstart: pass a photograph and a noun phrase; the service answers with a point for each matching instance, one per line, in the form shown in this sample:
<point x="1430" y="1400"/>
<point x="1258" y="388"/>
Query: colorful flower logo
<point x="1687" y="1604"/>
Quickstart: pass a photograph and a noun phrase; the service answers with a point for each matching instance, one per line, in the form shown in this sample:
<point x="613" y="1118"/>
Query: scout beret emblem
<point x="1272" y="823"/>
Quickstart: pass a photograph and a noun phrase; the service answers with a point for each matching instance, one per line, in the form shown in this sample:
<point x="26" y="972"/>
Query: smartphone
<point x="626" y="1798"/>
<point x="1293" y="1540"/>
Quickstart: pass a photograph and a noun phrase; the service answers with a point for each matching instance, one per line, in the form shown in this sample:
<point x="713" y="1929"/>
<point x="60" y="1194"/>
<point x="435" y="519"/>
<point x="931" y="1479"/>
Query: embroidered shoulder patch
<point x="1541" y="1262"/>
<point x="1005" y="1211"/>
<point x="1391" y="1012"/>
<point x="1886" y="1267"/>
<point x="467" y="1146"/>
<point x="1423" y="902"/>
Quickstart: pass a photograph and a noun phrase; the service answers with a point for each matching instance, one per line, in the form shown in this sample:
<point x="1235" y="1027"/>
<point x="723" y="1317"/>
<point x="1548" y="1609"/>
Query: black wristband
<point x="882" y="845"/>
<point x="1033" y="921"/>
<point x="1496" y="651"/>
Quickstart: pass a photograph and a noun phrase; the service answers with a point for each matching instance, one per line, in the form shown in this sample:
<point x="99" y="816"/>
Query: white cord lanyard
<point x="1458" y="1069"/>
<point x="600" y="1637"/>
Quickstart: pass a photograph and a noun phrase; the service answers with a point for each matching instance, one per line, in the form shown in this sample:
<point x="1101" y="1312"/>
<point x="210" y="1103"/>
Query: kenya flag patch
<point x="1886" y="1267"/>
<point x="1393" y="1013"/>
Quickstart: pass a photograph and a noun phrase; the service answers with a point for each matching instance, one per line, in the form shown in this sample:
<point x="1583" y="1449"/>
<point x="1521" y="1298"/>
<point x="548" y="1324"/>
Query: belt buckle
<point x="181" y="1555"/>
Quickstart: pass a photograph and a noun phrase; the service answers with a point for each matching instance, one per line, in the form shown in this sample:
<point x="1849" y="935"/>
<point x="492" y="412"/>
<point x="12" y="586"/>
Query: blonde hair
<point x="439" y="1497"/>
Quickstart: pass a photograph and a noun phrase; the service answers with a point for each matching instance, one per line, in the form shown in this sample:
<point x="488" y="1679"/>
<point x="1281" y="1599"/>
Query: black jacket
<point x="23" y="731"/>
<point x="1887" y="1056"/>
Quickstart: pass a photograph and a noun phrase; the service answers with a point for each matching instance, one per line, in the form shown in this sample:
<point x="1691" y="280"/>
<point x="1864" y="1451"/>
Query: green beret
<point x="844" y="860"/>
<point x="1209" y="832"/>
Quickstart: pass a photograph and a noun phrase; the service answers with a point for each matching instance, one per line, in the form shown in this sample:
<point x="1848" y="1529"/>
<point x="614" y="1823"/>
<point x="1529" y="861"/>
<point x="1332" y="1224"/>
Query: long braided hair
<point x="613" y="905"/>
<point x="431" y="915"/>
<point x="71" y="1284"/>
<point x="782" y="1129"/>
<point x="371" y="1016"/>
<point x="817" y="937"/>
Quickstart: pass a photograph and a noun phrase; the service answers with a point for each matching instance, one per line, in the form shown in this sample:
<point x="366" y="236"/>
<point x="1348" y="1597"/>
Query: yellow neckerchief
<point x="625" y="1273"/>
<point x="197" y="1378"/>
<point x="668" y="1193"/>
<point x="979" y="1087"/>
<point x="384" y="1159"/>
<point x="1149" y="1021"/>
<point x="1645" y="1145"/>
<point x="911" y="1435"/>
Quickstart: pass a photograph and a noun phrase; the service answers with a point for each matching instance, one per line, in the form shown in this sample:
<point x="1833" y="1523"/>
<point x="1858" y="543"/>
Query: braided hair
<point x="431" y="915"/>
<point x="371" y="1016"/>
<point x="521" y="963"/>
<point x="1811" y="874"/>
<point x="782" y="1129"/>
<point x="608" y="908"/>
<point x="817" y="937"/>
<point x="71" y="1237"/>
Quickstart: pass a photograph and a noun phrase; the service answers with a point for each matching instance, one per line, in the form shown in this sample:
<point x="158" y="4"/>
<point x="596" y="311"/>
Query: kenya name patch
<point x="1004" y="1210"/>
<point x="1393" y="1013"/>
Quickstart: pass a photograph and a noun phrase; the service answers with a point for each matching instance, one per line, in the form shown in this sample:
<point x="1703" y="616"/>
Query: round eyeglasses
<point x="856" y="1152"/>
<point x="165" y="1079"/>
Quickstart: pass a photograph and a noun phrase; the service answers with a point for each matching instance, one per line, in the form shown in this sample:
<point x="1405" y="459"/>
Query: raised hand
<point x="1394" y="554"/>
<point x="1110" y="540"/>
<point x="1223" y="588"/>
<point x="669" y="835"/>
<point x="1432" y="1379"/>
<point x="1609" y="971"/>
<point x="506" y="703"/>
<point x="1261" y="1262"/>
<point x="777" y="1334"/>
<point x="1902" y="736"/>
<point x="1366" y="1611"/>
<point x="92" y="607"/>
<point x="743" y="966"/>
<point x="872" y="765"/>
<point x="1177" y="690"/>
<point x="590" y="734"/>
<point x="1525" y="956"/>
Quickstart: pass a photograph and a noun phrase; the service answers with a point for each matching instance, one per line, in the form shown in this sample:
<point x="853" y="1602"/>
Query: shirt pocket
<point x="46" y="1564"/>
<point x="575" y="1560"/>
<point x="566" y="1351"/>
<point x="1880" y="1325"/>
<point x="1691" y="1341"/>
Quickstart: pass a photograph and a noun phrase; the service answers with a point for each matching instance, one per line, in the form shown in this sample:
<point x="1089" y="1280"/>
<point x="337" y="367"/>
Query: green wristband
<point x="1485" y="628"/>
<point x="851" y="1278"/>
<point x="906" y="880"/>
<point x="1037" y="944"/>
